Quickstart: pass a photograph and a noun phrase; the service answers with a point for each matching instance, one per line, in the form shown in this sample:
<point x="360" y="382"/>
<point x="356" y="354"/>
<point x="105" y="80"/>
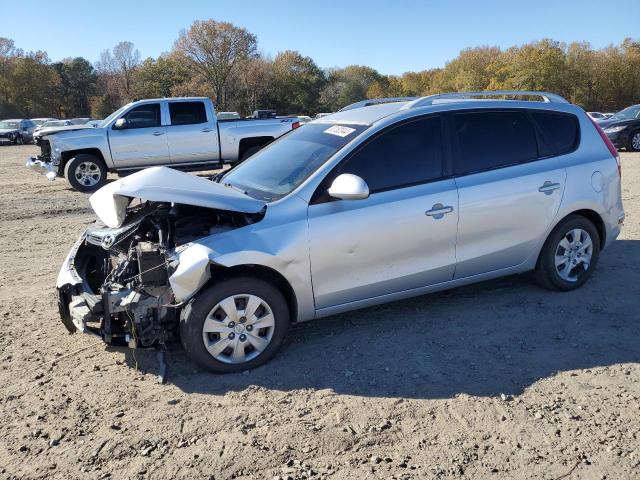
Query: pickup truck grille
<point x="45" y="149"/>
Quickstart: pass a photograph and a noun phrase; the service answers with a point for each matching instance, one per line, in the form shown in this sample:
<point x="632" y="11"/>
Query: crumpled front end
<point x="128" y="284"/>
<point x="47" y="163"/>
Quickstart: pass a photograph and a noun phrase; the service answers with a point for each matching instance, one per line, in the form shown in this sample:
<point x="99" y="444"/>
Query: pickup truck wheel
<point x="234" y="325"/>
<point x="85" y="172"/>
<point x="250" y="151"/>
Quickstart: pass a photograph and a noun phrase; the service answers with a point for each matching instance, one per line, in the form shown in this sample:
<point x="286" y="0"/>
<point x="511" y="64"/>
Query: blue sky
<point x="392" y="36"/>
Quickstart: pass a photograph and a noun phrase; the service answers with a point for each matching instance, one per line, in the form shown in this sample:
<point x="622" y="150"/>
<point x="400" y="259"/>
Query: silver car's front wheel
<point x="235" y="324"/>
<point x="238" y="329"/>
<point x="573" y="254"/>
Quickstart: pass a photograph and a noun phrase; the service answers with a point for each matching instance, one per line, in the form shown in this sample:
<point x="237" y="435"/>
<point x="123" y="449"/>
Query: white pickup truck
<point x="182" y="133"/>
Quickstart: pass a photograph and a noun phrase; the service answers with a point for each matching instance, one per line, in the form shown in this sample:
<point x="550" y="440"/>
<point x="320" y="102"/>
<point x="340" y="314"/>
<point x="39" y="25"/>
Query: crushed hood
<point x="67" y="128"/>
<point x="162" y="184"/>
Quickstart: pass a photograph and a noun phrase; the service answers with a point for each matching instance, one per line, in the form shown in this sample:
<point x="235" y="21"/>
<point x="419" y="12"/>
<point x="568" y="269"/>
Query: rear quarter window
<point x="493" y="139"/>
<point x="560" y="130"/>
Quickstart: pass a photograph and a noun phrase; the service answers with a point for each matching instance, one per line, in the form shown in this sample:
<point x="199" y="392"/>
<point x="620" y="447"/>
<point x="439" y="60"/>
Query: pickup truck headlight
<point x="615" y="129"/>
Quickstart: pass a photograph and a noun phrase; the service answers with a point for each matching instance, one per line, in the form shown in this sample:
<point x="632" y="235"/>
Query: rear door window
<point x="144" y="116"/>
<point x="408" y="154"/>
<point x="187" y="113"/>
<point x="493" y="139"/>
<point x="559" y="129"/>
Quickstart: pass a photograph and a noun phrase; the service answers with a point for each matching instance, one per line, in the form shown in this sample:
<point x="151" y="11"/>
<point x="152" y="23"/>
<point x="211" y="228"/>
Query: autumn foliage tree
<point x="221" y="60"/>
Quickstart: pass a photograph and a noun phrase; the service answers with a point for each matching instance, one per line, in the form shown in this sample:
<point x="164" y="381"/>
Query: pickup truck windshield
<point x="279" y="168"/>
<point x="115" y="114"/>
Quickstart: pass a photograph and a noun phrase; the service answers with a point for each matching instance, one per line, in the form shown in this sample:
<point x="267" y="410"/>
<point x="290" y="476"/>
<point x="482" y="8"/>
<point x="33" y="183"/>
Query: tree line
<point x="221" y="60"/>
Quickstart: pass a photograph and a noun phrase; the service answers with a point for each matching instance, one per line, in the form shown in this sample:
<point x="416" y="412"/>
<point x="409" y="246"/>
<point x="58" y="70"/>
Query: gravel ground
<point x="497" y="380"/>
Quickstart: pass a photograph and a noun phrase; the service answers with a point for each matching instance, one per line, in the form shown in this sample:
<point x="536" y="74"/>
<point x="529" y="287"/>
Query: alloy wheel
<point x="573" y="254"/>
<point x="88" y="174"/>
<point x="635" y="141"/>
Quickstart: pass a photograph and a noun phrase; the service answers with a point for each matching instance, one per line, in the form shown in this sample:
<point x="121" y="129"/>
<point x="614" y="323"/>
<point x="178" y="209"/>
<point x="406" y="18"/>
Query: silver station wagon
<point x="381" y="201"/>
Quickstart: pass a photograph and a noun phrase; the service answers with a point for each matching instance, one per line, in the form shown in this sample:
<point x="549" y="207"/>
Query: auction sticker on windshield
<point x="339" y="130"/>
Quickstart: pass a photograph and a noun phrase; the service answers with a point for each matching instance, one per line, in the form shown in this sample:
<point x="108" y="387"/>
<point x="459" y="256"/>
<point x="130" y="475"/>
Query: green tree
<point x="77" y="85"/>
<point x="159" y="77"/>
<point x="296" y="82"/>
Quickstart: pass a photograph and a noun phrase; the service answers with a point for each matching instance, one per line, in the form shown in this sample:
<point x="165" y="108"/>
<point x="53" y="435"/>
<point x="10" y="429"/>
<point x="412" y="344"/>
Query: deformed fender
<point x="279" y="242"/>
<point x="193" y="271"/>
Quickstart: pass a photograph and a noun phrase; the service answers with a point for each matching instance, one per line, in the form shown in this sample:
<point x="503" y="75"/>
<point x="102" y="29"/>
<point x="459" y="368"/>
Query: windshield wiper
<point x="228" y="185"/>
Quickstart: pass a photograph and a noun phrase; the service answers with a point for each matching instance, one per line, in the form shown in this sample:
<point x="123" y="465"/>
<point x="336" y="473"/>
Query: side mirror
<point x="120" y="124"/>
<point x="349" y="187"/>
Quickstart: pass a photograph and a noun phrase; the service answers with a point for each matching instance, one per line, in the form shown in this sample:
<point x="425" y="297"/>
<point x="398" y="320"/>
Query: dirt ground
<point x="497" y="380"/>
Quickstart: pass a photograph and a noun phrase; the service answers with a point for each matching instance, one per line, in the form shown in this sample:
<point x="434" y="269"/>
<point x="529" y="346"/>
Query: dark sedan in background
<point x="623" y="129"/>
<point x="16" y="131"/>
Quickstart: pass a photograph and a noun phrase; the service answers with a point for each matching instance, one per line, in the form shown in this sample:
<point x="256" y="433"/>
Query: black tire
<point x="194" y="314"/>
<point x="95" y="165"/>
<point x="250" y="151"/>
<point x="546" y="273"/>
<point x="630" y="146"/>
<point x="18" y="140"/>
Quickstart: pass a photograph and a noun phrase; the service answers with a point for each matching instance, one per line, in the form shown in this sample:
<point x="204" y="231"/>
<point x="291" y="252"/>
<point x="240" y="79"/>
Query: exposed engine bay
<point x="122" y="293"/>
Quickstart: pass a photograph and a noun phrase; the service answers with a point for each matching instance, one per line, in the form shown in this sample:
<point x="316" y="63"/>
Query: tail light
<point x="295" y="125"/>
<point x="610" y="146"/>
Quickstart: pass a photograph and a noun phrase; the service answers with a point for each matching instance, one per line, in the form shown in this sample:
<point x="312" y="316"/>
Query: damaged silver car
<point x="379" y="202"/>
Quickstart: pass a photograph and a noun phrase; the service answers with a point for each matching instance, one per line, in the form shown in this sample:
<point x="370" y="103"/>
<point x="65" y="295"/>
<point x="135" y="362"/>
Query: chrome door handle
<point x="438" y="211"/>
<point x="207" y="130"/>
<point x="548" y="187"/>
<point x="157" y="134"/>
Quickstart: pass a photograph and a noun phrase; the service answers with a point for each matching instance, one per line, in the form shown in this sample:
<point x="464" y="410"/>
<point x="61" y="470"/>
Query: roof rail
<point x="431" y="99"/>
<point x="377" y="101"/>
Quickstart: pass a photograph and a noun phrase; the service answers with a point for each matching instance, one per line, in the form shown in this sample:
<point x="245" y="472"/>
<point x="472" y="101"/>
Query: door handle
<point x="157" y="134"/>
<point x="438" y="211"/>
<point x="548" y="187"/>
<point x="207" y="130"/>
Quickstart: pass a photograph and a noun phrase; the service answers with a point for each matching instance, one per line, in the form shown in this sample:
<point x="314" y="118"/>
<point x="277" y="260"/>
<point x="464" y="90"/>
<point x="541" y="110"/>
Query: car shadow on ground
<point x="494" y="337"/>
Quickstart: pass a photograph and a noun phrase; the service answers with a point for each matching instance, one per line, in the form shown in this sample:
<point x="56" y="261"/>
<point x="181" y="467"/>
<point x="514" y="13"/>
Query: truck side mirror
<point x="121" y="124"/>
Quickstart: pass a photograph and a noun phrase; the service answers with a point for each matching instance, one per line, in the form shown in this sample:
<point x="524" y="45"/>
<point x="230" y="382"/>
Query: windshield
<point x="279" y="168"/>
<point x="628" y="113"/>
<point x="9" y="125"/>
<point x="114" y="115"/>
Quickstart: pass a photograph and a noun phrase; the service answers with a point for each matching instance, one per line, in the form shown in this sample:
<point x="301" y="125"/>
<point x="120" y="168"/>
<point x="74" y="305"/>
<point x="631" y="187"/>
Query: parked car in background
<point x="363" y="207"/>
<point x="228" y="116"/>
<point x="597" y="115"/>
<point x="304" y="119"/>
<point x="320" y="115"/>
<point x="623" y="128"/>
<point x="81" y="120"/>
<point x="182" y="133"/>
<point x="40" y="121"/>
<point x="49" y="127"/>
<point x="17" y="131"/>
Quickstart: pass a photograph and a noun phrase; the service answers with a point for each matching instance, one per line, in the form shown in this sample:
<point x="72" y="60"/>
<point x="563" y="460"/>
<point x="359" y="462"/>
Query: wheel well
<point x="66" y="156"/>
<point x="247" y="143"/>
<point x="596" y="219"/>
<point x="264" y="273"/>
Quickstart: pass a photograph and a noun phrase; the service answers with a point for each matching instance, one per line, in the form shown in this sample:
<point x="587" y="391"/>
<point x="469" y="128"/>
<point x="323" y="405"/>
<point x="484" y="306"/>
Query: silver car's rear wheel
<point x="238" y="328"/>
<point x="573" y="254"/>
<point x="569" y="255"/>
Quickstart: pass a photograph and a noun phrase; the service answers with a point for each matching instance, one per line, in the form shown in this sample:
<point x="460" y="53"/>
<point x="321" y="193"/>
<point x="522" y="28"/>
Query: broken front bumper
<point x="43" y="166"/>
